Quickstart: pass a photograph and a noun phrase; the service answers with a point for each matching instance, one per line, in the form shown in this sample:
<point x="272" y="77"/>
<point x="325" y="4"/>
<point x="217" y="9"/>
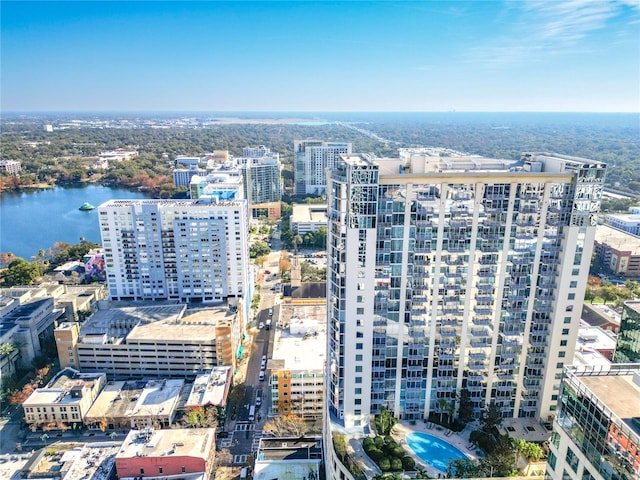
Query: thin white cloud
<point x="545" y="28"/>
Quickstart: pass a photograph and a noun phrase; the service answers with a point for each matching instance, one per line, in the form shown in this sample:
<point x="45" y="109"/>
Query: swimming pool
<point x="434" y="451"/>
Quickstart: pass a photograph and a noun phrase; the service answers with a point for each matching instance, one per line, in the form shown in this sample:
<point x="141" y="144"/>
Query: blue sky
<point x="321" y="56"/>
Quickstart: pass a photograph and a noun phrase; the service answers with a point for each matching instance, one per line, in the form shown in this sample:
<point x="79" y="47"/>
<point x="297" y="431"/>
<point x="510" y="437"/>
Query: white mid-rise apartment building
<point x="311" y="160"/>
<point x="182" y="176"/>
<point x="451" y="273"/>
<point x="187" y="250"/>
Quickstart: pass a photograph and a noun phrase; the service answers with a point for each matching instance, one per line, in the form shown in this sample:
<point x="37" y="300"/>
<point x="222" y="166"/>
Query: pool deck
<point x="460" y="440"/>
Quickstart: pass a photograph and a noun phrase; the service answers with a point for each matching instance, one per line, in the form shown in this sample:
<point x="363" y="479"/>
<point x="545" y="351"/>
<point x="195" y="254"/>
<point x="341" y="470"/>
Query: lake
<point x="35" y="220"/>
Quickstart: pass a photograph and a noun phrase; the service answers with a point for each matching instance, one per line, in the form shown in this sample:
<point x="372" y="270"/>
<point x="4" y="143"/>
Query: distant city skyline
<point x="571" y="56"/>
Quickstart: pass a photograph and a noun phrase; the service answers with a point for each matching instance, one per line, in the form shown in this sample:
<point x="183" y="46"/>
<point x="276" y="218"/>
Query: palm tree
<point x="6" y="349"/>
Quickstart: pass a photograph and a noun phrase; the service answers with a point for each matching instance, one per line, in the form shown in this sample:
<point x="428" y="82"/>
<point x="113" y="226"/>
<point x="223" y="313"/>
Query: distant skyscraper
<point x="187" y="250"/>
<point x="257" y="152"/>
<point x="450" y="273"/>
<point x="182" y="176"/>
<point x="262" y="182"/>
<point x="312" y="158"/>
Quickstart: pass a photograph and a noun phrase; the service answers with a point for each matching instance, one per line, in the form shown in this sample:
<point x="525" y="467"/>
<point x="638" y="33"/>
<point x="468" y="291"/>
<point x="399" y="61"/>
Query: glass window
<point x="572" y="459"/>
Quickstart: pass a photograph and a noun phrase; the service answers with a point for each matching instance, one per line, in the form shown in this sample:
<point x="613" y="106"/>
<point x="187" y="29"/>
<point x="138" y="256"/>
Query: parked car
<point x="261" y="377"/>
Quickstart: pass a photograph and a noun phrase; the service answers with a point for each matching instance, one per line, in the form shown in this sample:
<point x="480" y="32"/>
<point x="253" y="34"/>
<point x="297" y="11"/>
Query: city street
<point x="244" y="435"/>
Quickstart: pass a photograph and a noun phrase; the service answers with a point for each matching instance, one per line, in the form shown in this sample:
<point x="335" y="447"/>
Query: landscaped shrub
<point x="375" y="454"/>
<point x="484" y="440"/>
<point x="398" y="452"/>
<point x="389" y="447"/>
<point x="408" y="463"/>
<point x="387" y="454"/>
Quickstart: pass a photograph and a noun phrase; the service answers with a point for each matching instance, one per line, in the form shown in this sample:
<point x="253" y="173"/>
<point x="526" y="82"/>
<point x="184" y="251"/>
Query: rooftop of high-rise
<point x="434" y="160"/>
<point x="599" y="381"/>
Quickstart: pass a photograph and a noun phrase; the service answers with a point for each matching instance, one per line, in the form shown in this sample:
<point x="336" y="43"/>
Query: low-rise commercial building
<point x="211" y="388"/>
<point x="27" y="321"/>
<point x="594" y="339"/>
<point x="74" y="461"/>
<point x="135" y="404"/>
<point x="297" y="363"/>
<point x="187" y="454"/>
<point x="152" y="341"/>
<point x="64" y="401"/>
<point x="288" y="459"/>
<point x="596" y="434"/>
<point x="629" y="222"/>
<point x="618" y="251"/>
<point x="308" y="218"/>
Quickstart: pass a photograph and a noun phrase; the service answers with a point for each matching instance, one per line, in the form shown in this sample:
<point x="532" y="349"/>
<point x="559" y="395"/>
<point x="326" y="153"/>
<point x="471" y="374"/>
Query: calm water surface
<point x="31" y="221"/>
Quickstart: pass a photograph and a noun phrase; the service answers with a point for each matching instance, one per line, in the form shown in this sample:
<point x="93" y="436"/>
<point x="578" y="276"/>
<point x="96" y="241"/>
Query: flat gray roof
<point x="614" y="238"/>
<point x="626" y="401"/>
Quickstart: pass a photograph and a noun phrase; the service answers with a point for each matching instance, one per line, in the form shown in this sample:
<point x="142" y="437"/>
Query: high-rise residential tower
<point x="187" y="250"/>
<point x="452" y="273"/>
<point x="311" y="160"/>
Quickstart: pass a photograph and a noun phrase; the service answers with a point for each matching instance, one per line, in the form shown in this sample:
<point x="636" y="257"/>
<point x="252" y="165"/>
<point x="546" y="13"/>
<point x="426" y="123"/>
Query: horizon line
<point x="318" y="111"/>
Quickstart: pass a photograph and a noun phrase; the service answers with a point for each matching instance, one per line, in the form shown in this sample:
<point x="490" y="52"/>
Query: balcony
<point x="486" y="273"/>
<point x="481" y="332"/>
<point x="482" y="321"/>
<point x="478" y="355"/>
<point x="476" y="366"/>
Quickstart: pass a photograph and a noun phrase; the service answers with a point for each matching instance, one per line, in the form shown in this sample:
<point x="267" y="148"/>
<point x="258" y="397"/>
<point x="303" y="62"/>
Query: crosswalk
<point x="256" y="435"/>
<point x="226" y="442"/>
<point x="240" y="459"/>
<point x="255" y="442"/>
<point x="243" y="427"/>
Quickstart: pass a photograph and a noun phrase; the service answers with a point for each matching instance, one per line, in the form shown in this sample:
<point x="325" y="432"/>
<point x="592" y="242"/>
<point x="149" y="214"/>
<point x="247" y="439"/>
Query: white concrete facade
<point x="176" y="249"/>
<point x="452" y="273"/>
<point x="311" y="160"/>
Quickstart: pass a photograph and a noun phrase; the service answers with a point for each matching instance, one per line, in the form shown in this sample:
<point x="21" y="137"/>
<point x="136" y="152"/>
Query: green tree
<point x="384" y="421"/>
<point x="491" y="418"/>
<point x="465" y="406"/>
<point x="609" y="293"/>
<point x="259" y="249"/>
<point x="531" y="451"/>
<point x="462" y="468"/>
<point x="21" y="272"/>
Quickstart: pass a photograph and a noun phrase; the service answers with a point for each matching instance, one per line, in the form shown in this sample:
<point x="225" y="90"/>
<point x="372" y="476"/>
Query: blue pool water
<point x="434" y="451"/>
